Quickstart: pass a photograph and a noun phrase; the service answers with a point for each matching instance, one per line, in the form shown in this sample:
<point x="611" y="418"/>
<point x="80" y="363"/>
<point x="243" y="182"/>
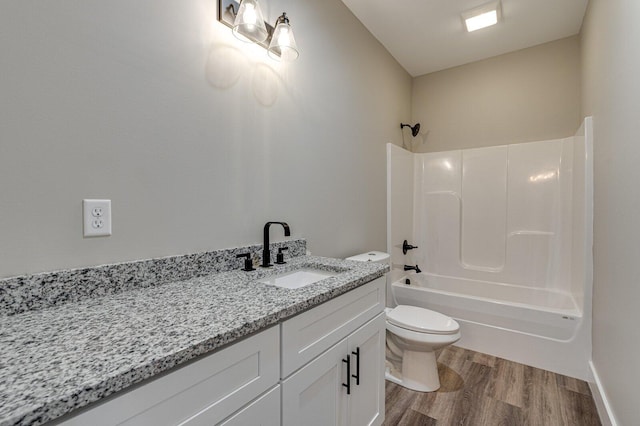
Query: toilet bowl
<point x="413" y="336"/>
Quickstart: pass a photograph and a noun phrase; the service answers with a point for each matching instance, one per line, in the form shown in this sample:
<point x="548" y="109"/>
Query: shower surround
<point x="504" y="239"/>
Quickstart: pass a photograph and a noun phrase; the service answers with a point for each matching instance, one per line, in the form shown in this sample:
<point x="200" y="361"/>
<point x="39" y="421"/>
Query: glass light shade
<point x="249" y="24"/>
<point x="283" y="45"/>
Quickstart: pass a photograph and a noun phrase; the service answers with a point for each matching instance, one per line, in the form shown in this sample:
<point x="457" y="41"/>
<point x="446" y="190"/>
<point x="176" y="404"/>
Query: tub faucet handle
<point x="406" y="247"/>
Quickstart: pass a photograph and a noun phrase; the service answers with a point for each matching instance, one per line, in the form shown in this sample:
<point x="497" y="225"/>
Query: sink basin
<point x="299" y="278"/>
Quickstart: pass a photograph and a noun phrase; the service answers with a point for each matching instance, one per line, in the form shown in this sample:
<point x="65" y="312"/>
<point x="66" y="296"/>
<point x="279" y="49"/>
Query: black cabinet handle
<point x="357" y="375"/>
<point x="348" y="385"/>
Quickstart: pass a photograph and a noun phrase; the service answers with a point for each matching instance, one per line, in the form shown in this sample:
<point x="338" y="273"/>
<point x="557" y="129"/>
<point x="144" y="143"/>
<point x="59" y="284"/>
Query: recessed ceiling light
<point x="482" y="16"/>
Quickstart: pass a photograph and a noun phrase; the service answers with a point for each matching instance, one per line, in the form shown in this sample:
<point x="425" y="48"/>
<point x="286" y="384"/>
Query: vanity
<point x="220" y="348"/>
<point x="299" y="365"/>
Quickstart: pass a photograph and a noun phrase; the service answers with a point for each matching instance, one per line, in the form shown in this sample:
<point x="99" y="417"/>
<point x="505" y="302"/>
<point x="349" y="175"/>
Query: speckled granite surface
<point x="64" y="357"/>
<point x="32" y="292"/>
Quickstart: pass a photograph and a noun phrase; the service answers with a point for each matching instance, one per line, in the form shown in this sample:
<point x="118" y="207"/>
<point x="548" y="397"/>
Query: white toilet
<point x="413" y="336"/>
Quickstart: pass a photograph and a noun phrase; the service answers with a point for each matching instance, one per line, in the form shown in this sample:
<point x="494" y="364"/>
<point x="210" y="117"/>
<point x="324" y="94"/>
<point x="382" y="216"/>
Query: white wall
<point x="197" y="138"/>
<point x="528" y="95"/>
<point x="611" y="93"/>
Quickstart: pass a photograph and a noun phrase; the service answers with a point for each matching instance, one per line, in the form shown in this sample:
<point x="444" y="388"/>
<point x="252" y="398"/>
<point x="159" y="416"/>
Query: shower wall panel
<point x="497" y="214"/>
<point x="484" y="208"/>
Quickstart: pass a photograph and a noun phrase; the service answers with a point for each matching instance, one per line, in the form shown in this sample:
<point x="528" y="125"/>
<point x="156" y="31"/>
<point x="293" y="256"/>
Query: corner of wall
<point x="607" y="418"/>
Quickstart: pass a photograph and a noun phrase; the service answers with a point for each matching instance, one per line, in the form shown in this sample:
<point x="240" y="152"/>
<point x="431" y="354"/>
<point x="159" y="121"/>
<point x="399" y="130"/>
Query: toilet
<point x="413" y="336"/>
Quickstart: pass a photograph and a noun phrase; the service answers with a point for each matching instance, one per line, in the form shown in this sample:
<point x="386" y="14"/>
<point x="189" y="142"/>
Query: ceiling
<point x="428" y="35"/>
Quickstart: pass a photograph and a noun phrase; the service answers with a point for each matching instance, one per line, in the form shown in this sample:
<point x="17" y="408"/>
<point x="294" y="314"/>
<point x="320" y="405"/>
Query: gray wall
<point x="528" y="95"/>
<point x="197" y="138"/>
<point x="611" y="93"/>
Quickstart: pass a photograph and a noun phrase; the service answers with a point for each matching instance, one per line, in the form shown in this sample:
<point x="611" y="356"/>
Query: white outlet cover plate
<point x="96" y="216"/>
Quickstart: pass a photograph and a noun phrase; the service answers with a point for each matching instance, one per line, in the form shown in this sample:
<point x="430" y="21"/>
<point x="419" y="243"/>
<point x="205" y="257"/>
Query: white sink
<point x="299" y="278"/>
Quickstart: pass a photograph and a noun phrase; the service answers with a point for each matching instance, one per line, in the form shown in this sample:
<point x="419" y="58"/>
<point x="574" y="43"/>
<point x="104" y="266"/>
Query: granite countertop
<point x="55" y="360"/>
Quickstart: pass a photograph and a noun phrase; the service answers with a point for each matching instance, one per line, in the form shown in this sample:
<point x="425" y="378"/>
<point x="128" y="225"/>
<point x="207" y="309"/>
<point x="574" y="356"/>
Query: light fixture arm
<point x="232" y="9"/>
<point x="282" y="19"/>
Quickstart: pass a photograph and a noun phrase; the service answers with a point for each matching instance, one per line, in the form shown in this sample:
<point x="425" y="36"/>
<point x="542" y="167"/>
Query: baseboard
<point x="600" y="397"/>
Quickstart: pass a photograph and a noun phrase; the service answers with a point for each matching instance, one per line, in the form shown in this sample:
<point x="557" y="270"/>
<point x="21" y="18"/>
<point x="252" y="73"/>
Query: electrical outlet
<point x="96" y="218"/>
<point x="97" y="212"/>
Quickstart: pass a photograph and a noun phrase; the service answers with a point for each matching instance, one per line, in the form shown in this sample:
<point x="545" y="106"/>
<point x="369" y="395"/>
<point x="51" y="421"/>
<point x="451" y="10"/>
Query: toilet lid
<point x="422" y="320"/>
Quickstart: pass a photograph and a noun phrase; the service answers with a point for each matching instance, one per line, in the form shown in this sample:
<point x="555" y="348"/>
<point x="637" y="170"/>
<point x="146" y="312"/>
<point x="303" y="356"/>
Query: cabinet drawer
<point x="307" y="335"/>
<point x="265" y="411"/>
<point x="203" y="392"/>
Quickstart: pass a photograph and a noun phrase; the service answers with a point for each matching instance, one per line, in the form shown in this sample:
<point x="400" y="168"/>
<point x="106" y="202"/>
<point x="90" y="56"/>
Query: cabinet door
<point x="314" y="396"/>
<point x="366" y="402"/>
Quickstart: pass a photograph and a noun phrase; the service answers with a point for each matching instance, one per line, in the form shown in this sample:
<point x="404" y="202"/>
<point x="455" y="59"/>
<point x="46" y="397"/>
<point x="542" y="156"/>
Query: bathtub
<point x="539" y="327"/>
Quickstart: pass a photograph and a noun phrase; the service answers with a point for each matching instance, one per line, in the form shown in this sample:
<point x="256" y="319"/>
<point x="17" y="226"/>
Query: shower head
<point x="414" y="129"/>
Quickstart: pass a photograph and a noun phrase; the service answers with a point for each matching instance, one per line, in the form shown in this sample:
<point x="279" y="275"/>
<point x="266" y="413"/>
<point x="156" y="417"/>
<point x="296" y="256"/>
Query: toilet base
<point x="419" y="372"/>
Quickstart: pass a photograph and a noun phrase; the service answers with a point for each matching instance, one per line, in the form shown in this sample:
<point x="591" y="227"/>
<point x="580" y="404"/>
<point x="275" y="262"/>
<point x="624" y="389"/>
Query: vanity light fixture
<point x="283" y="45"/>
<point x="247" y="22"/>
<point x="482" y="16"/>
<point x="249" y="25"/>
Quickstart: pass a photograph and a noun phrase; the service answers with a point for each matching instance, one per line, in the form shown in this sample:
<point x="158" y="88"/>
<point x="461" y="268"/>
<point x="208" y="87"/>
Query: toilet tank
<point x="378" y="257"/>
<point x="371" y="256"/>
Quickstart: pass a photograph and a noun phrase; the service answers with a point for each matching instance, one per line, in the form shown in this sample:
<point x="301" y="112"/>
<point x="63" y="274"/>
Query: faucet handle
<point x="406" y="247"/>
<point x="280" y="256"/>
<point x="248" y="263"/>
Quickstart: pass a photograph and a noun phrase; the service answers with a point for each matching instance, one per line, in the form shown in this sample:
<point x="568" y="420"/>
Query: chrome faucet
<point x="266" y="254"/>
<point x="412" y="268"/>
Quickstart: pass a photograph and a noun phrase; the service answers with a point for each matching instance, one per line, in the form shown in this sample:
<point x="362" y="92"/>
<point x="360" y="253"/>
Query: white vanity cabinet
<point x="290" y="374"/>
<point x="204" y="392"/>
<point x="343" y="383"/>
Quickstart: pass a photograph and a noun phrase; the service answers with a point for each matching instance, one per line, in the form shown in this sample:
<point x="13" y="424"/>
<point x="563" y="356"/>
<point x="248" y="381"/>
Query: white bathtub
<point x="519" y="214"/>
<point x="538" y="327"/>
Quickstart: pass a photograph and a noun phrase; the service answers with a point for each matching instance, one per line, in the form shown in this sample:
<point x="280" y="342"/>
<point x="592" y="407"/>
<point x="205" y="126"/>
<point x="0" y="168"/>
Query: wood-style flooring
<point x="482" y="390"/>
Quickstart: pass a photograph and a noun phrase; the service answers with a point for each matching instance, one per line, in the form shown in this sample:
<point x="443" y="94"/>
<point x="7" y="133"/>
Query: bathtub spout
<point x="412" y="268"/>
